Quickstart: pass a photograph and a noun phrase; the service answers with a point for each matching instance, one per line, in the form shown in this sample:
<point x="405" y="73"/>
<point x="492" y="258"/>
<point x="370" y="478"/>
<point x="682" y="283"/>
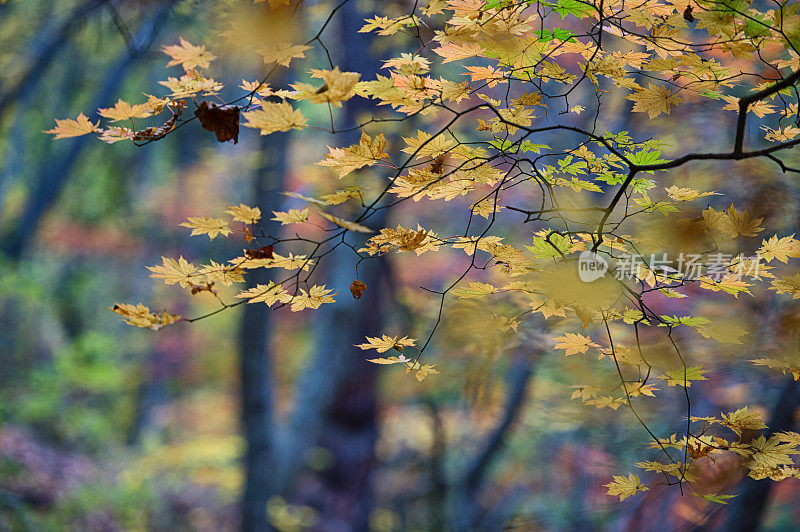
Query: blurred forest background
<point x="255" y="419"/>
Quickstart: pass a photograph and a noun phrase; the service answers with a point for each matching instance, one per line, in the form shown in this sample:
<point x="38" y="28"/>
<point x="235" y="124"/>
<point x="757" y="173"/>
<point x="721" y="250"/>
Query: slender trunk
<point x="335" y="401"/>
<point x="255" y="361"/>
<point x="466" y="507"/>
<point x="45" y="53"/>
<point x="747" y="510"/>
<point x="56" y="176"/>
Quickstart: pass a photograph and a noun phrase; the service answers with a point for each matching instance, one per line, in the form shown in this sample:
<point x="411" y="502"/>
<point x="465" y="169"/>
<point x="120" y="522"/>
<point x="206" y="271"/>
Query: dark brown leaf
<point x="260" y="253"/>
<point x="357" y="288"/>
<point x="687" y="14"/>
<point x="222" y="120"/>
<point x="207" y="287"/>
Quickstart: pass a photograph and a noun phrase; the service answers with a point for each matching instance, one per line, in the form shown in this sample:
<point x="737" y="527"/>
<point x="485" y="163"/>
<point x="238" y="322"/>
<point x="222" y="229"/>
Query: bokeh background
<point x="273" y="419"/>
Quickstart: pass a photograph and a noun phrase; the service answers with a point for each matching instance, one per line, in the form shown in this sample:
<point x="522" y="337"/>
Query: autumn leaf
<point x="783" y="365"/>
<point x="176" y="272"/>
<point x="292" y="216"/>
<point x="779" y="248"/>
<point x="653" y="100"/>
<point x="677" y="377"/>
<point x="225" y="275"/>
<point x="367" y="152"/>
<point x="223" y="120"/>
<point x="345" y="224"/>
<point x="742" y="419"/>
<point x="424" y="371"/>
<point x="244" y="213"/>
<point x="730" y="284"/>
<point x="357" y="288"/>
<point x="274" y="117"/>
<point x="789" y="284"/>
<point x="125" y="111"/>
<point x="574" y="343"/>
<point x="115" y="134"/>
<point x="474" y="290"/>
<point x="73" y="128"/>
<point x="202" y="225"/>
<point x="385" y="342"/>
<point x="337" y="87"/>
<point x="188" y="55"/>
<point x="283" y="53"/>
<point x="315" y="297"/>
<point x="264" y="252"/>
<point x="625" y="487"/>
<point x="140" y="316"/>
<point x="265" y="293"/>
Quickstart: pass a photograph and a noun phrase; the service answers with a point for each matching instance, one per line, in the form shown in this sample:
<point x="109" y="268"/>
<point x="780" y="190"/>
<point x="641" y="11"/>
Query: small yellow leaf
<point x="350" y="226"/>
<point x="188" y="55"/>
<point x="385" y="342"/>
<point x="574" y="343"/>
<point x="274" y="117"/>
<point x="292" y="216"/>
<point x="366" y="153"/>
<point x="140" y="316"/>
<point x="265" y="293"/>
<point x="124" y="111"/>
<point x="73" y="128"/>
<point x="203" y="225"/>
<point x="653" y="100"/>
<point x="243" y="213"/>
<point x="176" y="272"/>
<point x="624" y="487"/>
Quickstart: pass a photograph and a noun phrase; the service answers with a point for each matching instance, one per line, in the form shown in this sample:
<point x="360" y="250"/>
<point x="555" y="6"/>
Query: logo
<point x="591" y="266"/>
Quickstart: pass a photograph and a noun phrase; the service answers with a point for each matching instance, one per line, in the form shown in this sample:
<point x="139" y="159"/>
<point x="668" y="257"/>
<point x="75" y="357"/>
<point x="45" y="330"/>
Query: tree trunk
<point x="255" y="361"/>
<point x="56" y="176"/>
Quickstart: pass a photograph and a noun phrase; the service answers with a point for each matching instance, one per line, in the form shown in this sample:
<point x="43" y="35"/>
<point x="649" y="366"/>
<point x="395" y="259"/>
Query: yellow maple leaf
<point x="686" y="194"/>
<point x="742" y="419"/>
<point x="341" y="195"/>
<point x="730" y="284"/>
<point x="203" y="225"/>
<point x="789" y="284"/>
<point x="385" y="361"/>
<point x="574" y="343"/>
<point x="424" y="371"/>
<point x="346" y="224"/>
<point x="180" y="272"/>
<point x="367" y="152"/>
<point x="188" y="55"/>
<point x="292" y="216"/>
<point x="625" y="487"/>
<point x="275" y="3"/>
<point x="783" y="365"/>
<point x="743" y="223"/>
<point x="226" y="275"/>
<point x="265" y="293"/>
<point x="337" y="87"/>
<point x="274" y="117"/>
<point x="315" y="297"/>
<point x="653" y="100"/>
<point x="73" y="128"/>
<point x="243" y="213"/>
<point x="122" y="110"/>
<point x="190" y="84"/>
<point x="779" y="248"/>
<point x="455" y="51"/>
<point x="474" y="289"/>
<point x="681" y="376"/>
<point x="283" y="53"/>
<point x="140" y="316"/>
<point x="288" y="262"/>
<point x="386" y="342"/>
